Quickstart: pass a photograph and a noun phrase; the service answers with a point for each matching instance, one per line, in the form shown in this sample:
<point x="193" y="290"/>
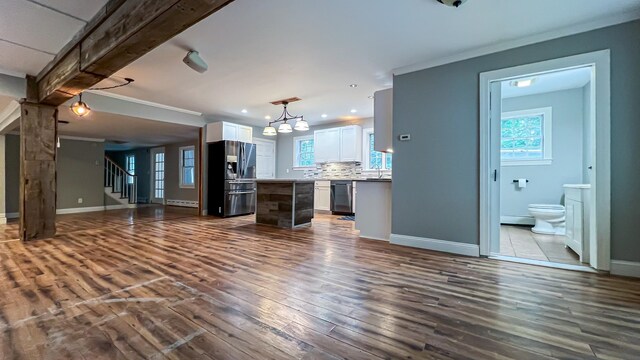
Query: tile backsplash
<point x="345" y="170"/>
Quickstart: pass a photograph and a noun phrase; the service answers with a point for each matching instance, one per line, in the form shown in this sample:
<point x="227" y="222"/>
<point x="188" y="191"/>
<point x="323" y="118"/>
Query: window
<point x="303" y="152"/>
<point x="375" y="160"/>
<point x="187" y="166"/>
<point x="525" y="137"/>
<point x="130" y="167"/>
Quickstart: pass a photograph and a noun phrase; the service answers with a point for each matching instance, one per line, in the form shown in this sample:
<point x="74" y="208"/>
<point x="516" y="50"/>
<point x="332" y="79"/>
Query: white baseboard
<point x="3" y="218"/>
<point x="517" y="220"/>
<point x="182" y="203"/>
<point x="437" y="245"/>
<point x="118" y="207"/>
<point x="12" y="215"/>
<point x="625" y="268"/>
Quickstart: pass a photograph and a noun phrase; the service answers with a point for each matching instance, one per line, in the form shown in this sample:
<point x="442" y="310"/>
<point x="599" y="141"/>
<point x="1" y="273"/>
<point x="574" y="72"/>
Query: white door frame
<point x="275" y="152"/>
<point x="601" y="157"/>
<point x="152" y="190"/>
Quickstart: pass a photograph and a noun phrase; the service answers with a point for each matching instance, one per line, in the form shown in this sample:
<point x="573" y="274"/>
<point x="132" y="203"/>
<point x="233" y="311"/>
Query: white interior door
<point x="495" y="110"/>
<point x="265" y="159"/>
<point x="157" y="175"/>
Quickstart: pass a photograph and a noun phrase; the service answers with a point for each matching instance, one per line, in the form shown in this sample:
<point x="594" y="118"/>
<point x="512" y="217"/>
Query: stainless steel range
<point x="232" y="172"/>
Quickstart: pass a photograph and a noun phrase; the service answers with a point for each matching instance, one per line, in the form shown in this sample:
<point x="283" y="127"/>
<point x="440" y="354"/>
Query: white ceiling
<point x="33" y="31"/>
<point x="132" y="131"/>
<point x="555" y="81"/>
<point x="259" y="51"/>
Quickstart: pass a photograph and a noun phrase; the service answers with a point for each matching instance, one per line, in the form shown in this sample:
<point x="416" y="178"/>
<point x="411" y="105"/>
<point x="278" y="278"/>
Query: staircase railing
<point x="120" y="181"/>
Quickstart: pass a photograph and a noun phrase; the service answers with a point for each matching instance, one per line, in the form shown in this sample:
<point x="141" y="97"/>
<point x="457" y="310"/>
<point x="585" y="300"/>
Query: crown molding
<point x="529" y="40"/>
<point x="144" y="102"/>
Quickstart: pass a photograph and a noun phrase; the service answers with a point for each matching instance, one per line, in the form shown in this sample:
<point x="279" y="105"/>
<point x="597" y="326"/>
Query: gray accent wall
<point x="284" y="146"/>
<point x="79" y="173"/>
<point x="546" y="181"/>
<point x="436" y="174"/>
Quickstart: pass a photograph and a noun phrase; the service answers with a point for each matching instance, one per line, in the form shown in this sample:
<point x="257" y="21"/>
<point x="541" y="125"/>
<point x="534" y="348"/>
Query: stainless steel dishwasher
<point x="342" y="197"/>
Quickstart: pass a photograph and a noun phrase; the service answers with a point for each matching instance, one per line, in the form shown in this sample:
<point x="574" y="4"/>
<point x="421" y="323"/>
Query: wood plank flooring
<point x="156" y="284"/>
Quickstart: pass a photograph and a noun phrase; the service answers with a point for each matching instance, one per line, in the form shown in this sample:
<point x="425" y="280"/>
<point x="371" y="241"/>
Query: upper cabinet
<point x="383" y="120"/>
<point x="338" y="144"/>
<point x="228" y="131"/>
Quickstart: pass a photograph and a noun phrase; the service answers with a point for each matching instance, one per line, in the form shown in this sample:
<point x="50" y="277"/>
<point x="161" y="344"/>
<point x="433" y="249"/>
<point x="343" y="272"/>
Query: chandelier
<point x="285" y="127"/>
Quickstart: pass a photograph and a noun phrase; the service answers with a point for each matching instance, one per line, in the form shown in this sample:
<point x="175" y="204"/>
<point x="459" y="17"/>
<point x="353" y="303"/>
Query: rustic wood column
<point x="3" y="184"/>
<point x="38" y="133"/>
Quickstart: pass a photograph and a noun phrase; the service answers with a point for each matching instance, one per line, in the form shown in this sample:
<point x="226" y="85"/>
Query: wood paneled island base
<point x="285" y="203"/>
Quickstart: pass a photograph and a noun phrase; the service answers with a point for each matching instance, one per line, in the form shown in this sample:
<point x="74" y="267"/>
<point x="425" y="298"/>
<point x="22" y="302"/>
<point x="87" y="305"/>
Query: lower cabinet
<point x="322" y="196"/>
<point x="577" y="211"/>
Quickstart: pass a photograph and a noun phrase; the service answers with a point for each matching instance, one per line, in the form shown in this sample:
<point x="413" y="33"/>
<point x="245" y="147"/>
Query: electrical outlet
<point x="80" y="200"/>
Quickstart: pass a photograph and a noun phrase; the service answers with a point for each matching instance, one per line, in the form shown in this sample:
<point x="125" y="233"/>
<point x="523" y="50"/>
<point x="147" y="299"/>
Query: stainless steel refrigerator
<point x="231" y="178"/>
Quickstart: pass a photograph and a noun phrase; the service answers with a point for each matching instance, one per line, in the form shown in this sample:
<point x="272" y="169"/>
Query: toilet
<point x="550" y="219"/>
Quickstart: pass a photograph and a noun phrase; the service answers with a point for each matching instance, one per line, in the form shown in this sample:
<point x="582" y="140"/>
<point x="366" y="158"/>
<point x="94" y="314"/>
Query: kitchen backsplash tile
<point x="350" y="170"/>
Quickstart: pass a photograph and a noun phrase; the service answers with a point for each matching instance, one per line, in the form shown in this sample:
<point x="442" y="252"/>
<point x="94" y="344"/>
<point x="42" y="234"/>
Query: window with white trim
<point x="375" y="160"/>
<point x="130" y="161"/>
<point x="303" y="152"/>
<point x="525" y="137"/>
<point x="187" y="167"/>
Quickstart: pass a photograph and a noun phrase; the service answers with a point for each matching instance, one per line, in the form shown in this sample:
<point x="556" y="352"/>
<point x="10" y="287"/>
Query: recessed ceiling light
<point x="371" y="97"/>
<point x="353" y="111"/>
<point x="353" y="85"/>
<point x="523" y="83"/>
<point x="244" y="111"/>
<point x="324" y="116"/>
<point x="268" y="117"/>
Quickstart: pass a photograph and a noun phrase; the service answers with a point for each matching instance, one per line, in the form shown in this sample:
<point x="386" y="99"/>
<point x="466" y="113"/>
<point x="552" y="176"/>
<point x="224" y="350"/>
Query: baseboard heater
<point x="182" y="203"/>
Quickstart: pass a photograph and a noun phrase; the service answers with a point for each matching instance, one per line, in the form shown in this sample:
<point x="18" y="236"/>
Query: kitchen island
<point x="373" y="215"/>
<point x="285" y="203"/>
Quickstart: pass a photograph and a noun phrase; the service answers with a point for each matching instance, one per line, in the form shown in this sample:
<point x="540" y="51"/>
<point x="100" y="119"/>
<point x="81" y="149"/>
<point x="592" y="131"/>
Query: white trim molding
<point x="517" y="220"/>
<point x="94" y="209"/>
<point x="625" y="268"/>
<point x="436" y="245"/>
<point x="80" y="138"/>
<point x="9" y="117"/>
<point x="600" y="124"/>
<point x="144" y="102"/>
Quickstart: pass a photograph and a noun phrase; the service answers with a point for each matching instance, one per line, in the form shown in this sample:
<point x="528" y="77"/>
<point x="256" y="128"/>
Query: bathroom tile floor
<point x="519" y="241"/>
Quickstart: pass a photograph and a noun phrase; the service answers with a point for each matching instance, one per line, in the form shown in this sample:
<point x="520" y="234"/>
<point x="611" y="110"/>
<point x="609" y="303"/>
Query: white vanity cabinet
<point x="577" y="202"/>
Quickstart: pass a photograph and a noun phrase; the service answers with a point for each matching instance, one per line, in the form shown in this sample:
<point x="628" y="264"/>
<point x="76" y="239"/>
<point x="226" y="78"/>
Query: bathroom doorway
<point x="544" y="129"/>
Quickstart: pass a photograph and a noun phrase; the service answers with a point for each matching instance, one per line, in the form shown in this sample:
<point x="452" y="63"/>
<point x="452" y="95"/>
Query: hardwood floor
<point x="155" y="284"/>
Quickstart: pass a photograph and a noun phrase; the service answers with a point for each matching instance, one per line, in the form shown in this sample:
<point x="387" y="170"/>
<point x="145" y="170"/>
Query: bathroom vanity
<point x="577" y="198"/>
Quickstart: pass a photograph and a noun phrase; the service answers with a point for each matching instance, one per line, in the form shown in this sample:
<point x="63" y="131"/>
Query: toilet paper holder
<point x="515" y="181"/>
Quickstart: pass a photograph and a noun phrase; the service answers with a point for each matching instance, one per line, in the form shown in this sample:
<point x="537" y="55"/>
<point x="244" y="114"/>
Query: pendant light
<point x="80" y="108"/>
<point x="285" y="127"/>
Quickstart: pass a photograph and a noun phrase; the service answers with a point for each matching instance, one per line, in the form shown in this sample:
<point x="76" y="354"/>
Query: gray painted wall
<point x="172" y="173"/>
<point x="436" y="175"/>
<point x="545" y="186"/>
<point x="80" y="173"/>
<point x="284" y="146"/>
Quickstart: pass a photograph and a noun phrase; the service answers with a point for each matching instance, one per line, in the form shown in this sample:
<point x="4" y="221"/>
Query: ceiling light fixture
<point x="353" y="85"/>
<point x="268" y="117"/>
<point x="353" y="111"/>
<point x="523" y="83"/>
<point x="81" y="108"/>
<point x="324" y="116"/>
<point x="244" y="111"/>
<point x="370" y="96"/>
<point x="454" y="3"/>
<point x="285" y="127"/>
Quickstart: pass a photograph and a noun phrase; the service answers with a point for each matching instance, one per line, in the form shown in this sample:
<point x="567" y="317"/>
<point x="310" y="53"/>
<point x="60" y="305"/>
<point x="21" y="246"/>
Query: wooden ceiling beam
<point x="121" y="32"/>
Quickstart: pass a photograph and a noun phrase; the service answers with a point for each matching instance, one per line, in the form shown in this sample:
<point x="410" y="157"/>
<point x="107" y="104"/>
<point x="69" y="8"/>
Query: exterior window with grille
<point x="525" y="137"/>
<point x="375" y="160"/>
<point x="130" y="167"/>
<point x="187" y="166"/>
<point x="303" y="152"/>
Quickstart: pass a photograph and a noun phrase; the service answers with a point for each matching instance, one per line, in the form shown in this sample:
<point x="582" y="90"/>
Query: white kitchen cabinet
<point x="229" y="131"/>
<point x="327" y="145"/>
<point x="322" y="196"/>
<point x="341" y="144"/>
<point x="351" y="143"/>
